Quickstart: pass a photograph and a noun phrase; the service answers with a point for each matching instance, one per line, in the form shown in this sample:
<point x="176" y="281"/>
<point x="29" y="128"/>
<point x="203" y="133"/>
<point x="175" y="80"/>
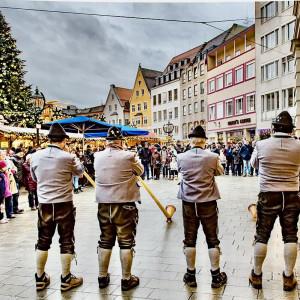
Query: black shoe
<point x="103" y="281"/>
<point x="218" y="279"/>
<point x="128" y="284"/>
<point x="42" y="282"/>
<point x="19" y="211"/>
<point x="70" y="282"/>
<point x="189" y="278"/>
<point x="76" y="191"/>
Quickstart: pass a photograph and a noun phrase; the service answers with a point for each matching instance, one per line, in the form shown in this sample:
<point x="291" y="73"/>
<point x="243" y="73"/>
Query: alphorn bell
<point x="253" y="211"/>
<point x="168" y="211"/>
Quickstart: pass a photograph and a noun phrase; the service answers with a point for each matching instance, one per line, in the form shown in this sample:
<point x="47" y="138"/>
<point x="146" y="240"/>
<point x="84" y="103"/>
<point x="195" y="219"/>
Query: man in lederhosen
<point x="52" y="169"/>
<point x="278" y="160"/>
<point x="117" y="191"/>
<point x="199" y="192"/>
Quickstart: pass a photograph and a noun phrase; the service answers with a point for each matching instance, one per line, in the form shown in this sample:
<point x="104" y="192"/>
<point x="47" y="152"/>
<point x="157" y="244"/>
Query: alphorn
<point x="168" y="211"/>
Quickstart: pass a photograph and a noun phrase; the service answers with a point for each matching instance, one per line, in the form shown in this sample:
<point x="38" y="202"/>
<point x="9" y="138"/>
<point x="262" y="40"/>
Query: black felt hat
<point x="198" y="132"/>
<point x="57" y="131"/>
<point x="114" y="133"/>
<point x="284" y="119"/>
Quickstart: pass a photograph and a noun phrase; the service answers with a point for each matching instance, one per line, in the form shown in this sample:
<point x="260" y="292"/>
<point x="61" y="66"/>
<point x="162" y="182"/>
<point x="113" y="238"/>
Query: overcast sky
<point x="75" y="58"/>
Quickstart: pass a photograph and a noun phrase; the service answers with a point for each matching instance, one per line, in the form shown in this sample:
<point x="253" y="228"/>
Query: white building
<point x="275" y="72"/>
<point x="116" y="110"/>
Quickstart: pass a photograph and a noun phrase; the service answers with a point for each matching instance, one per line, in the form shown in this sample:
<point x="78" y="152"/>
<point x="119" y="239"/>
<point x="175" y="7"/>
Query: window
<point x="154" y="100"/>
<point x="176" y="129"/>
<point x="175" y="112"/>
<point x="287" y="64"/>
<point x="159" y="99"/>
<point x="159" y="116"/>
<point x="220" y="113"/>
<point x="269" y="11"/>
<point x="190" y="109"/>
<point x="170" y="95"/>
<point x="159" y="131"/>
<point x="183" y="94"/>
<point x="202" y="106"/>
<point x="286" y="4"/>
<point x="112" y="96"/>
<point x="202" y="69"/>
<point x="170" y="115"/>
<point x="202" y="87"/>
<point x="165" y="114"/>
<point x="140" y="82"/>
<point x="116" y="107"/>
<point x="164" y="97"/>
<point x="190" y="92"/>
<point x="228" y="79"/>
<point x="196" y="107"/>
<point x="250" y="70"/>
<point x="139" y="107"/>
<point x="195" y="72"/>
<point x="239" y="75"/>
<point x="239" y="106"/>
<point x="288" y="32"/>
<point x="269" y="71"/>
<point x="133" y="108"/>
<point x="269" y="41"/>
<point x="155" y="116"/>
<point x="211" y="85"/>
<point x="270" y="101"/>
<point x="143" y="92"/>
<point x="109" y="108"/>
<point x="145" y="120"/>
<point x="195" y="90"/>
<point x="184" y="110"/>
<point x="250" y="103"/>
<point x="189" y="75"/>
<point x="183" y="77"/>
<point x="175" y="94"/>
<point x="137" y="93"/>
<point x="211" y="112"/>
<point x="288" y="98"/>
<point x="219" y="82"/>
<point x="228" y="108"/>
<point x="145" y="105"/>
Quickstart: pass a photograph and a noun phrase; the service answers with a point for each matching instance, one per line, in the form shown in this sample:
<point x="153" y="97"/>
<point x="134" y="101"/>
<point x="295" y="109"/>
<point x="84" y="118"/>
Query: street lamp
<point x="39" y="103"/>
<point x="168" y="129"/>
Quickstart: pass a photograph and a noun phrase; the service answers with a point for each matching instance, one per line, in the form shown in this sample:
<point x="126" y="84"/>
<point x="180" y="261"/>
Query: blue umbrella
<point x="126" y="131"/>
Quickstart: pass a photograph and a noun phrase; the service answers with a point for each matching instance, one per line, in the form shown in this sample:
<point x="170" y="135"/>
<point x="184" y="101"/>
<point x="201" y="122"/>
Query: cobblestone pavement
<point x="159" y="260"/>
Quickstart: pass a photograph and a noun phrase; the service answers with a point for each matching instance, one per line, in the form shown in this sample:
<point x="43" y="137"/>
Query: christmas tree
<point x="15" y="95"/>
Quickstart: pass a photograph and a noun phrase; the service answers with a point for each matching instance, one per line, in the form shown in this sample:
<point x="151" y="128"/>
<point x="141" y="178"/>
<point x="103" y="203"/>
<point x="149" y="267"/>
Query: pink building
<point x="231" y="88"/>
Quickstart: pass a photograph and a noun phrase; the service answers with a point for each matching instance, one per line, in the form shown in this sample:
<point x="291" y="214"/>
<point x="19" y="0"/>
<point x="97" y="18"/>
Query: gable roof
<point x="223" y="37"/>
<point x="123" y="94"/>
<point x="149" y="76"/>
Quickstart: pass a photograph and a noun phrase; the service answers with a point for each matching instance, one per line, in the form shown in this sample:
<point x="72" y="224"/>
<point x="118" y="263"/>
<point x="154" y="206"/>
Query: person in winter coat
<point x="145" y="157"/>
<point x="245" y="154"/>
<point x="2" y="192"/>
<point x="30" y="184"/>
<point x="237" y="161"/>
<point x="164" y="161"/>
<point x="156" y="164"/>
<point x="229" y="160"/>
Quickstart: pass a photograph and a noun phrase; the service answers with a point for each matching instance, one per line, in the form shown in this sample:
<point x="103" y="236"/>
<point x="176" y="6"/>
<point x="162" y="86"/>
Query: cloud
<point x="75" y="58"/>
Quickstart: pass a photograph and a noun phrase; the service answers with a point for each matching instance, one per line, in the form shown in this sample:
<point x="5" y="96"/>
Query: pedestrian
<point x="75" y="178"/>
<point x="245" y="154"/>
<point x="164" y="161"/>
<point x="52" y="168"/>
<point x="237" y="161"/>
<point x="156" y="163"/>
<point x="199" y="194"/>
<point x="3" y="183"/>
<point x="223" y="157"/>
<point x="278" y="158"/>
<point x="145" y="156"/>
<point x="229" y="160"/>
<point x="116" y="193"/>
<point x="173" y="166"/>
<point x="30" y="184"/>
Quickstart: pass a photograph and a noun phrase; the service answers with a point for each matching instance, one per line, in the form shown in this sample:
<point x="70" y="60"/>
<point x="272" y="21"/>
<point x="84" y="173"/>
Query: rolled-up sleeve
<point x="254" y="158"/>
<point x="138" y="168"/>
<point x="219" y="169"/>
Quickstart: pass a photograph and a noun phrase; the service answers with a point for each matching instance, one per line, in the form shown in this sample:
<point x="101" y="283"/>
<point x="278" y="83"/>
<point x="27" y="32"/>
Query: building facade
<point x="231" y="88"/>
<point x="275" y="71"/>
<point x="296" y="53"/>
<point x="140" y="101"/>
<point x="117" y="108"/>
<point x="167" y="96"/>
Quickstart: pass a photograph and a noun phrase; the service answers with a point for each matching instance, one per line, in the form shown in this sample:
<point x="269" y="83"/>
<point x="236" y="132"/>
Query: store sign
<point x="242" y="121"/>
